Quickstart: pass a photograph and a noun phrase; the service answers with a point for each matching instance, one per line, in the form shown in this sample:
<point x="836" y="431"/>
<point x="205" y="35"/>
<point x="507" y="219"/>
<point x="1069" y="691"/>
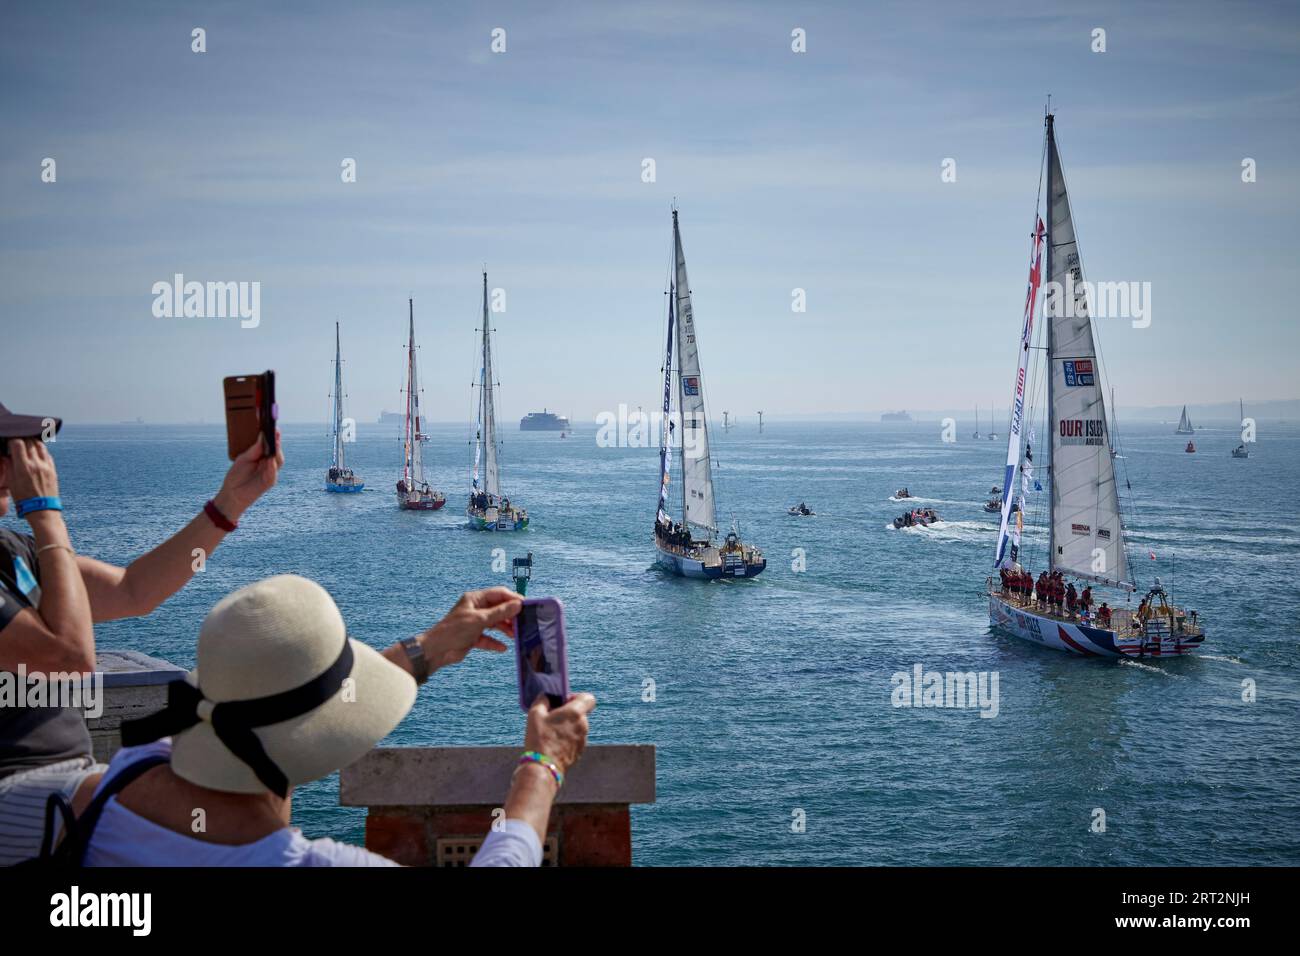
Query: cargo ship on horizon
<point x="543" y="421"/>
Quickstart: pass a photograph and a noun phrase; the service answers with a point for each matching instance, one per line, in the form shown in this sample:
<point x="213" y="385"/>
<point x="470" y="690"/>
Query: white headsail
<point x="1007" y="557"/>
<point x="487" y="416"/>
<point x="697" y="477"/>
<point x="1087" y="539"/>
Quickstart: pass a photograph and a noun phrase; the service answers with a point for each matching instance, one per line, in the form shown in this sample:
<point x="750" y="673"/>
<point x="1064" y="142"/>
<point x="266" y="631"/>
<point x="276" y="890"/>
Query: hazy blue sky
<point x="818" y="170"/>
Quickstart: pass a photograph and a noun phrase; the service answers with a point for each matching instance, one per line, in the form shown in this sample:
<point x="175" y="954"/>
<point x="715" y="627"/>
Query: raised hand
<point x="559" y="732"/>
<point x="464" y="627"/>
<point x="33" y="474"/>
<point x="249" y="477"/>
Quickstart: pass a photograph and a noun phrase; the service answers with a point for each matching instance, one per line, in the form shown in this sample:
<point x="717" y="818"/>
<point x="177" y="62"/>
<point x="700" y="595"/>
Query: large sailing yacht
<point x="413" y="492"/>
<point x="488" y="509"/>
<point x="689" y="548"/>
<point x="340" y="477"/>
<point x="1085" y="531"/>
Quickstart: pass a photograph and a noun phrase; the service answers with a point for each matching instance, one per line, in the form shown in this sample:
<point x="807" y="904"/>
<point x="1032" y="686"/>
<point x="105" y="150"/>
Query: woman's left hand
<point x="462" y="630"/>
<point x="249" y="477"/>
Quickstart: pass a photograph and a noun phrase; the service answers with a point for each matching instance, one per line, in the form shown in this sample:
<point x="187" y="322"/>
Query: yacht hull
<point x="1083" y="640"/>
<point x="494" y="521"/>
<point x="710" y="565"/>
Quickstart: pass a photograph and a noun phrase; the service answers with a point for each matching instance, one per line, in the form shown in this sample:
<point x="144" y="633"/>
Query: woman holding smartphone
<point x="50" y="596"/>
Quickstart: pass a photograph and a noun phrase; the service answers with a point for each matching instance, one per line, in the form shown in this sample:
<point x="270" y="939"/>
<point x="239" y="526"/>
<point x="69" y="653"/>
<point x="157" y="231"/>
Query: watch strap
<point x="419" y="663"/>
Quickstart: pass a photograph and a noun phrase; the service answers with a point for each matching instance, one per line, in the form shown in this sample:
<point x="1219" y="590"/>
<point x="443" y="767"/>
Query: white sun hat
<point x="281" y="694"/>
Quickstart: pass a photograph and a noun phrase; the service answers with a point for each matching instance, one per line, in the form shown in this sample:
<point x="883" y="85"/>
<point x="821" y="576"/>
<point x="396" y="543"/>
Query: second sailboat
<point x="488" y="509"/>
<point x="413" y="492"/>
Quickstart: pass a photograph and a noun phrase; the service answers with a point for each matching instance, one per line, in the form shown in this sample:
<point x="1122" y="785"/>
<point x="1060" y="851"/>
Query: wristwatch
<point x="419" y="663"/>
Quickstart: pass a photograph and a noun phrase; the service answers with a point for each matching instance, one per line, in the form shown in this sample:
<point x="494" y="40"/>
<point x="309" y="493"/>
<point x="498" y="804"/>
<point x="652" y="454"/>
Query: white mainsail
<point x="1086" y="539"/>
<point x="697" y="477"/>
<point x="1184" y="426"/>
<point x="487" y="415"/>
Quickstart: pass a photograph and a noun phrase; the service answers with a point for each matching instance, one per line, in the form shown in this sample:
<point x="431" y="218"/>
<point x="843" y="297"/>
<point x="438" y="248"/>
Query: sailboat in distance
<point x="993" y="436"/>
<point x="1241" y="451"/>
<point x="488" y="509"/>
<point x="413" y="492"/>
<point x="1184" y="425"/>
<point x="1085" y="528"/>
<point x="340" y="478"/>
<point x="977" y="434"/>
<point x="689" y="548"/>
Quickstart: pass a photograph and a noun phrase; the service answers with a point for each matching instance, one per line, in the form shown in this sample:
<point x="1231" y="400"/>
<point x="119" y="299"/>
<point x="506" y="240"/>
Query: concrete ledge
<point x="432" y="806"/>
<point x="133" y="669"/>
<point x="480" y="776"/>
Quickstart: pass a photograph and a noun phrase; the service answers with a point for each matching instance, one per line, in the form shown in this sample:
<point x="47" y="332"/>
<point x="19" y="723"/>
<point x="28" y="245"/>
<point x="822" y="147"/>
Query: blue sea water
<point x="773" y="696"/>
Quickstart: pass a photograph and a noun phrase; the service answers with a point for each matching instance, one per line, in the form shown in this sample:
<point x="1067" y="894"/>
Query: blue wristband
<point x="28" y="505"/>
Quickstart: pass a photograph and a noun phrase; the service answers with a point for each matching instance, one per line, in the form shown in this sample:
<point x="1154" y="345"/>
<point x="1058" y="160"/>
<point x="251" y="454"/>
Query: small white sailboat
<point x="413" y="492"/>
<point x="1085" y="532"/>
<point x="340" y="478"/>
<point x="690" y="548"/>
<point x="993" y="436"/>
<point x="977" y="436"/>
<point x="1184" y="425"/>
<point x="488" y="509"/>
<point x="1241" y="451"/>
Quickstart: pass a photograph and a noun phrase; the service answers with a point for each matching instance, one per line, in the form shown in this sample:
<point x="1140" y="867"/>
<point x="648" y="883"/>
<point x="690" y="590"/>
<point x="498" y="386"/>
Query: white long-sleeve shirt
<point x="124" y="838"/>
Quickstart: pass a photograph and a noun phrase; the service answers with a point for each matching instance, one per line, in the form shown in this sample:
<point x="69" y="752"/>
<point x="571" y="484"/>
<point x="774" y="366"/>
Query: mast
<point x="1051" y="343"/>
<point x="338" y="400"/>
<point x="487" y="408"/>
<point x="408" y="434"/>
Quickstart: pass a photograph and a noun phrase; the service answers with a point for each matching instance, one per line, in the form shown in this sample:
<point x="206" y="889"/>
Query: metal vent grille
<point x="459" y="851"/>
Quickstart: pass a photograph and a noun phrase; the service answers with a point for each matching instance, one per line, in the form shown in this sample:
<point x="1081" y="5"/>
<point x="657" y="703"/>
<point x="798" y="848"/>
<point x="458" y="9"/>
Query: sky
<point x="818" y="171"/>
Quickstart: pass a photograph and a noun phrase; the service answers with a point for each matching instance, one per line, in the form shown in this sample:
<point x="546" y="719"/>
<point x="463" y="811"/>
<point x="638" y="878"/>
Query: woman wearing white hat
<point x="282" y="696"/>
<point x="50" y="597"/>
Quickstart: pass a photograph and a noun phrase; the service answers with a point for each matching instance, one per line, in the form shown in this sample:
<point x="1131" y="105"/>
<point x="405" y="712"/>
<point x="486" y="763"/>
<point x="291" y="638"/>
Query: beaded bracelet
<point x="532" y="756"/>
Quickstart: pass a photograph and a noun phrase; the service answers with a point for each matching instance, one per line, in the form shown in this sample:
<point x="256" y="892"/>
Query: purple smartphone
<point x="540" y="655"/>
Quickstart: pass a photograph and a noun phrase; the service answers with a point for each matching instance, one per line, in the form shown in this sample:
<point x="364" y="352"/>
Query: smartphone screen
<point x="540" y="652"/>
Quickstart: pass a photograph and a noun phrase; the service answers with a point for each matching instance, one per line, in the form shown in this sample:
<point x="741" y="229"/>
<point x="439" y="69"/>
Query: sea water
<point x="773" y="703"/>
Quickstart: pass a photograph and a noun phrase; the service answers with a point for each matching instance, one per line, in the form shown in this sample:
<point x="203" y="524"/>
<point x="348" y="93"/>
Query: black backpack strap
<point x="75" y="843"/>
<point x="55" y="801"/>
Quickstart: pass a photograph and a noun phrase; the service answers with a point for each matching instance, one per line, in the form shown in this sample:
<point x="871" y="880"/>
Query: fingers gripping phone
<point x="251" y="410"/>
<point x="540" y="654"/>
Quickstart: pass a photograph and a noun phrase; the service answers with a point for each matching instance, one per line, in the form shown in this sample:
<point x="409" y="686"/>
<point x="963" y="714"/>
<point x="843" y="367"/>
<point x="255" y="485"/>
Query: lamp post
<point x="523" y="570"/>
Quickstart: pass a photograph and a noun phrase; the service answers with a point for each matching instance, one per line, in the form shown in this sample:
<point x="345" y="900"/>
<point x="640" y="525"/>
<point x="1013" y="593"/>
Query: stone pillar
<point x="432" y="806"/>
